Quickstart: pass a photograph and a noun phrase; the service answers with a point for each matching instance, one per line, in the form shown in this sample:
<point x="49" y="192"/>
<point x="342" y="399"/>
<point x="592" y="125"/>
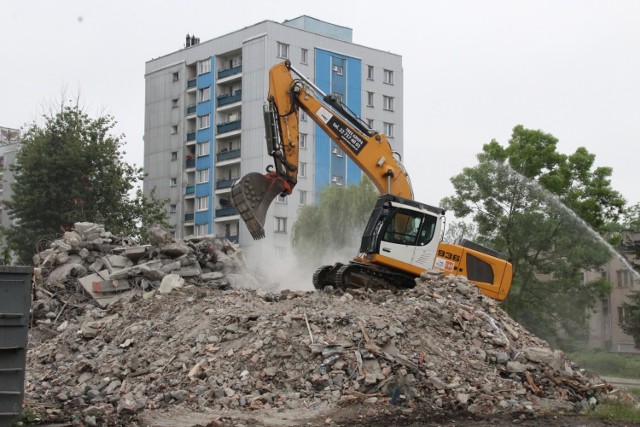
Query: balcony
<point x="190" y="190"/>
<point x="228" y="127"/>
<point x="191" y="109"/>
<point x="192" y="83"/>
<point x="228" y="211"/>
<point x="227" y="155"/>
<point x="229" y="71"/>
<point x="188" y="217"/>
<point x="229" y="99"/>
<point x="191" y="163"/>
<point x="225" y="183"/>
<point x="191" y="136"/>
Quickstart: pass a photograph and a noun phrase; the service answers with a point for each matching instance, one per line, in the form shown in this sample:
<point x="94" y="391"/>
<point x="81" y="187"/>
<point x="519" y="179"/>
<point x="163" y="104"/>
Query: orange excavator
<point x="403" y="237"/>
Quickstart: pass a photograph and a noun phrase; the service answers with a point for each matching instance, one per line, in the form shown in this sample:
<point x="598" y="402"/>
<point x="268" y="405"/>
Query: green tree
<point x="631" y="321"/>
<point x="632" y="217"/>
<point x="71" y="169"/>
<point x="336" y="221"/>
<point x="544" y="210"/>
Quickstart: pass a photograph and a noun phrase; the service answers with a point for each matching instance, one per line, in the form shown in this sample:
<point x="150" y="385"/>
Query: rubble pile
<point x="441" y="347"/>
<point x="91" y="263"/>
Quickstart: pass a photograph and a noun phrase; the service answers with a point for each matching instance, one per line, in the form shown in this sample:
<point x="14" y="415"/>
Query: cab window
<point x="403" y="228"/>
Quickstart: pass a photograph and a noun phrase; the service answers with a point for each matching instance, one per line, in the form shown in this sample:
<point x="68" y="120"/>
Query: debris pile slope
<point x="441" y="347"/>
<point x="89" y="262"/>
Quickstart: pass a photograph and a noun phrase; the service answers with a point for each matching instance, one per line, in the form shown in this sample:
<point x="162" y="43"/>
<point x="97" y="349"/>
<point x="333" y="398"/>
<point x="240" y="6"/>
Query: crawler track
<point x="361" y="276"/>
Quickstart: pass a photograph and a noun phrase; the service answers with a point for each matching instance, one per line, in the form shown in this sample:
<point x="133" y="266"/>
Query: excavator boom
<point x="290" y="91"/>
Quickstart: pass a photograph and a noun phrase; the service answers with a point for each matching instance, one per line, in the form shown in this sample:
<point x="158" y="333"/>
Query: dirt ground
<point x="359" y="416"/>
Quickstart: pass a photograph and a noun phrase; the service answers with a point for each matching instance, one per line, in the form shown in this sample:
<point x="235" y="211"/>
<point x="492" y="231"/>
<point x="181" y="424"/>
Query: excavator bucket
<point x="252" y="195"/>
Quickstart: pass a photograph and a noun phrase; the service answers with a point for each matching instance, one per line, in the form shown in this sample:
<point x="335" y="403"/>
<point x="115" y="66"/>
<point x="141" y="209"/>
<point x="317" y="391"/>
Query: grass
<point x="620" y="411"/>
<point x="608" y="364"/>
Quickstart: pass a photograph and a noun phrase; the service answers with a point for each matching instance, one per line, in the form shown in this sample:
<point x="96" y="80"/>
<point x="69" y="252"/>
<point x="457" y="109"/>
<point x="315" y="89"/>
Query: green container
<point x="15" y="301"/>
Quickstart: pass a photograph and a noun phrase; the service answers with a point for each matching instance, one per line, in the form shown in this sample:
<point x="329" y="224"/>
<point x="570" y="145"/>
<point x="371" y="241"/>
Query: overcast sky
<point x="472" y="69"/>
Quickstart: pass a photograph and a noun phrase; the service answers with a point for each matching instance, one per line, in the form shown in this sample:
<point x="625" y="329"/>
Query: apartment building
<point x="605" y="331"/>
<point x="9" y="139"/>
<point x="204" y="124"/>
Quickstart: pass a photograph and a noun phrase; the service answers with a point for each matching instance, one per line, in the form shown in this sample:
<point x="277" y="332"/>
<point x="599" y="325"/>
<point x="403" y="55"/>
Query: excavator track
<point x="361" y="276"/>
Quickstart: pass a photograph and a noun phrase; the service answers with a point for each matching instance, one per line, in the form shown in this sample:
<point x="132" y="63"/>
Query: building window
<point x="283" y="50"/>
<point x="173" y="208"/>
<point x="174" y="129"/>
<point x="176" y="76"/>
<point x="204" y="66"/>
<point x="202" y="230"/>
<point x="174" y="155"/>
<point x="203" y="176"/>
<point x="338" y="70"/>
<point x="623" y="278"/>
<point x="388" y="129"/>
<point x="204" y="94"/>
<point x="281" y="225"/>
<point x="202" y="203"/>
<point x="388" y="77"/>
<point x="304" y="55"/>
<point x="303" y="140"/>
<point x="303" y="198"/>
<point x="623" y="315"/>
<point x="387" y="102"/>
<point x="281" y="199"/>
<point x="369" y="72"/>
<point x="338" y="151"/>
<point x="303" y="116"/>
<point x="302" y="170"/>
<point x="203" y="149"/>
<point x="173" y="182"/>
<point x="203" y="122"/>
<point x="370" y="123"/>
<point x="175" y="103"/>
<point x="337" y="180"/>
<point x="369" y="99"/>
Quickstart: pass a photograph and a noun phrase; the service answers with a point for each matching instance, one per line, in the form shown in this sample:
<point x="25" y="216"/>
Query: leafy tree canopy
<point x="545" y="210"/>
<point x="71" y="169"/>
<point x="336" y="221"/>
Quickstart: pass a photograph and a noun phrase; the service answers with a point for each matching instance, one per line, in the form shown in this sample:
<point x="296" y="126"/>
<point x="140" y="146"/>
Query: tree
<point x="632" y="218"/>
<point x="69" y="170"/>
<point x="631" y="322"/>
<point x="336" y="221"/>
<point x="544" y="210"/>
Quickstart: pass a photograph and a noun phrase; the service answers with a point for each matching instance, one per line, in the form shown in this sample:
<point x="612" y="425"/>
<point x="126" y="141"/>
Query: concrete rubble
<point x="106" y="266"/>
<point x="186" y="337"/>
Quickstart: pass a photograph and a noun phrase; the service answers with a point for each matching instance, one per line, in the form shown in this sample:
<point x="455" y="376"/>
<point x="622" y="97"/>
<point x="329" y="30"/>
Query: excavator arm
<point x="290" y="91"/>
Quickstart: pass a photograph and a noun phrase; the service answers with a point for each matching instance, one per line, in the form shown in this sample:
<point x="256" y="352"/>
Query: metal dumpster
<point x="15" y="301"/>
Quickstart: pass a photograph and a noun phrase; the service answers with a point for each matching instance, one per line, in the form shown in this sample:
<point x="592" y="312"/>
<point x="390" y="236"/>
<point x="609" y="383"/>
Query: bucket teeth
<point x="252" y="195"/>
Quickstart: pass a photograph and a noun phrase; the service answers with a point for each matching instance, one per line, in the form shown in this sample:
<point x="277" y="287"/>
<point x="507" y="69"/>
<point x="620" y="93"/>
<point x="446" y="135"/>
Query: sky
<point x="472" y="69"/>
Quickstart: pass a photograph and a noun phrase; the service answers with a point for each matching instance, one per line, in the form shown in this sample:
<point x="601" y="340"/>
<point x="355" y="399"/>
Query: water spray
<point x="556" y="202"/>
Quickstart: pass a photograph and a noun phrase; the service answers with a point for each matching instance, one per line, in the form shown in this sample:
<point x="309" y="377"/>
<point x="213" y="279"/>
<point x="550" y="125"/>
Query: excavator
<point x="403" y="237"/>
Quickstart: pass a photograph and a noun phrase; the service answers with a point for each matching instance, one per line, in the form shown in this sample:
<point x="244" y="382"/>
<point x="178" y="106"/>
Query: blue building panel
<point x="336" y="73"/>
<point x="354" y="102"/>
<point x="204" y="162"/>
<point x="203" y="217"/>
<point x="206" y="136"/>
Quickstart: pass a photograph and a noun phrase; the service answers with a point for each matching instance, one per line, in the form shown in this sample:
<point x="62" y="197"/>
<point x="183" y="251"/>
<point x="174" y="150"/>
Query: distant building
<point x="9" y="139"/>
<point x="204" y="126"/>
<point x="605" y="331"/>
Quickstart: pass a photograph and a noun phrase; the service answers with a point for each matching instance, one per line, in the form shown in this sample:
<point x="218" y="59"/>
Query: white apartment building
<point x="204" y="124"/>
